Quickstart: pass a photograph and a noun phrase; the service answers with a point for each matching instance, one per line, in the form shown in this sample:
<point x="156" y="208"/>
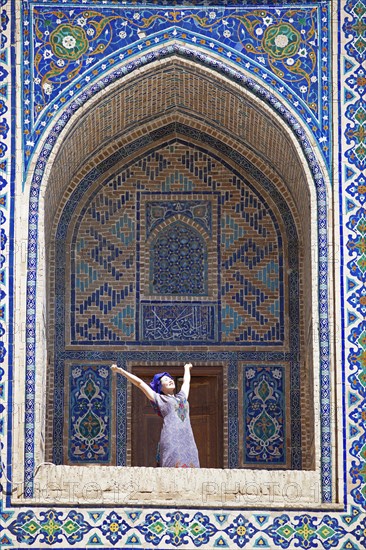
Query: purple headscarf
<point x="155" y="383"/>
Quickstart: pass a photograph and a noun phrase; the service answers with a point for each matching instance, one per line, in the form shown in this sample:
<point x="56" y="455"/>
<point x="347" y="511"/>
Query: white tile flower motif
<point x="277" y="373"/>
<point x="76" y="372"/>
<point x="103" y="372"/>
<point x="47" y="88"/>
<point x="281" y="41"/>
<point x="250" y="373"/>
<point x="68" y="42"/>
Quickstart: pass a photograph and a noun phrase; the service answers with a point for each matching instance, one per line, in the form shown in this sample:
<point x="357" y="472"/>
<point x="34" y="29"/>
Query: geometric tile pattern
<point x="264" y="415"/>
<point x="104" y="251"/>
<point x="103" y="267"/>
<point x="252" y="274"/>
<point x="178" y="262"/>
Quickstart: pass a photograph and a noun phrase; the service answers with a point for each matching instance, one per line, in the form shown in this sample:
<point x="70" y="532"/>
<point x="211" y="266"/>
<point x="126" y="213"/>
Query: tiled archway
<point x="237" y="143"/>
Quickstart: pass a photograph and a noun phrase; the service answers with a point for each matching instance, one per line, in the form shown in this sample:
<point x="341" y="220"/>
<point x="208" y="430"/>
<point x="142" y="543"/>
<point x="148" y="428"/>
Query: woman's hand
<point x="114" y="368"/>
<point x="187" y="378"/>
<point x="150" y="394"/>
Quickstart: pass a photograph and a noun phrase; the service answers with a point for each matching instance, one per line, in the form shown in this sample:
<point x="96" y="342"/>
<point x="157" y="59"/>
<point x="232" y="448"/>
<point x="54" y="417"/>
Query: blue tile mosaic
<point x="89" y="431"/>
<point x="264" y="414"/>
<point x="178" y="262"/>
<point x="98" y="40"/>
<point x="314" y="529"/>
<point x="183" y="322"/>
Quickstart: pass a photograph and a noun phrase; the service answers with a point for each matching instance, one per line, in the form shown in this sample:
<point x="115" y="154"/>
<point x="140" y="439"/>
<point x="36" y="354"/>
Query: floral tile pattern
<point x="354" y="148"/>
<point x="265" y="414"/>
<point x="90" y="414"/>
<point x="285" y="48"/>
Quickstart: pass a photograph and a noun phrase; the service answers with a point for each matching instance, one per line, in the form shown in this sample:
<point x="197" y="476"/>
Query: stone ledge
<point x="208" y="488"/>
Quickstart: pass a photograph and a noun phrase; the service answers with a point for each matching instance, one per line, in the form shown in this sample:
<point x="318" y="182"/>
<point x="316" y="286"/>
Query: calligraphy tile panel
<point x="163" y="323"/>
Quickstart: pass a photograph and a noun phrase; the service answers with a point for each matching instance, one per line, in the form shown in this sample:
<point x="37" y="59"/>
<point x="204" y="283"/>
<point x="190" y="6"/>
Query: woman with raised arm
<point x="177" y="445"/>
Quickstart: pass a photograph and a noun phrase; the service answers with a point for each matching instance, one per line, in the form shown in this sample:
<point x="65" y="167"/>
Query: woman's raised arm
<point x="149" y="392"/>
<point x="187" y="378"/>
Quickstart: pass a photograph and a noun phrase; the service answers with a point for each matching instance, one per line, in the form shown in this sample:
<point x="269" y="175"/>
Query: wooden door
<point x="206" y="412"/>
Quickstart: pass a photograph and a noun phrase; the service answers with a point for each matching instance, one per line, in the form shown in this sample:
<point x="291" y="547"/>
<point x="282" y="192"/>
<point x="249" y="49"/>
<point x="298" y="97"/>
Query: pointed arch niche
<point x="143" y="159"/>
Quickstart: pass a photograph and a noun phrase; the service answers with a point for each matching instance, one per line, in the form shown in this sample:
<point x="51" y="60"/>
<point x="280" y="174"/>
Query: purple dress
<point x="177" y="445"/>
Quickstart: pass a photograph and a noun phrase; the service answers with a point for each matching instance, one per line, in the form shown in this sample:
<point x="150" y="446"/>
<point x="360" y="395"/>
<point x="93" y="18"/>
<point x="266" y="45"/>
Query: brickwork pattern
<point x="102" y="270"/>
<point x="103" y="252"/>
<point x="123" y="111"/>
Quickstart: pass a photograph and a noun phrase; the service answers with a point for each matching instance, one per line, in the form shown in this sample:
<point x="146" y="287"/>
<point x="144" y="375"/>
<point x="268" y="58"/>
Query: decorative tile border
<point x="352" y="179"/>
<point x="173" y="528"/>
<point x="329" y="530"/>
<point x="7" y="176"/>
